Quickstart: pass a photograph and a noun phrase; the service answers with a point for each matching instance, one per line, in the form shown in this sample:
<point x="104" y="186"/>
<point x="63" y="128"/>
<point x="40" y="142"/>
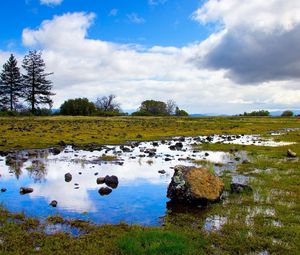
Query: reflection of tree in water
<point x="15" y="167"/>
<point x="37" y="171"/>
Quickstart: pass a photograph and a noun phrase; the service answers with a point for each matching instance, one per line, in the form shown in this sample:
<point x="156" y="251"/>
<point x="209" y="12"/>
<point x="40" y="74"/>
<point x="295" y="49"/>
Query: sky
<point x="209" y="56"/>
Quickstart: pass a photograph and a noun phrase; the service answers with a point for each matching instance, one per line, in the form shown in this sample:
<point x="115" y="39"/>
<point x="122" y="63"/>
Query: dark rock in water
<point x="239" y="188"/>
<point x="111" y="181"/>
<point x="3" y="190"/>
<point x="179" y="145"/>
<point x="168" y="159"/>
<point x="103" y="191"/>
<point x="181" y="139"/>
<point x="100" y="180"/>
<point x="155" y="144"/>
<point x="172" y="147"/>
<point x="80" y="173"/>
<point x="192" y="185"/>
<point x="162" y="171"/>
<point x="206" y="154"/>
<point x="125" y="149"/>
<point x="3" y="153"/>
<point x="291" y="153"/>
<point x="24" y="190"/>
<point x="55" y="151"/>
<point x="68" y="177"/>
<point x="53" y="203"/>
<point x="96" y="174"/>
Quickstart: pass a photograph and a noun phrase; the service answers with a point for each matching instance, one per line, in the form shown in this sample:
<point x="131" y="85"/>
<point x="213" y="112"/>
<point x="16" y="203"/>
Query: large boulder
<point x="192" y="185"/>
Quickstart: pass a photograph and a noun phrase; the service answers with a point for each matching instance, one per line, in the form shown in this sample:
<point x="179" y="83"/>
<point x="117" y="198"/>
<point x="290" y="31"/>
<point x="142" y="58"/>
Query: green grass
<point x="157" y="241"/>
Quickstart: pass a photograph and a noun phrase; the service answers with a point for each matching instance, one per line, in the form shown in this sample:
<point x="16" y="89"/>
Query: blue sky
<point x="123" y="21"/>
<point x="210" y="56"/>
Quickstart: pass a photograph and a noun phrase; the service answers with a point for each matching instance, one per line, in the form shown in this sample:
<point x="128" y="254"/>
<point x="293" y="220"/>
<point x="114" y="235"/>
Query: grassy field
<point x="42" y="132"/>
<point x="267" y="219"/>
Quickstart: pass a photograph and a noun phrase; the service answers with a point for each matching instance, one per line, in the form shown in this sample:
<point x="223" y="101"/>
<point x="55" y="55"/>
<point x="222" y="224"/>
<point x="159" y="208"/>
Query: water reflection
<point x="144" y="171"/>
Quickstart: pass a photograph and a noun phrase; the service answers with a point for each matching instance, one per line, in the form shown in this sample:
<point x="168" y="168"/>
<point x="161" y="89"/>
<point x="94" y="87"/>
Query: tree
<point x="108" y="104"/>
<point x="171" y="107"/>
<point x="179" y="112"/>
<point x="11" y="84"/>
<point x="287" y="113"/>
<point x="152" y="107"/>
<point x="258" y="113"/>
<point x="36" y="84"/>
<point x="78" y="106"/>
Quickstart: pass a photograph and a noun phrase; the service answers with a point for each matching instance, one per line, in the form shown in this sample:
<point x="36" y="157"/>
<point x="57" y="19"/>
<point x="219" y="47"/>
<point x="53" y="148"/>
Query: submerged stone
<point x="192" y="185"/>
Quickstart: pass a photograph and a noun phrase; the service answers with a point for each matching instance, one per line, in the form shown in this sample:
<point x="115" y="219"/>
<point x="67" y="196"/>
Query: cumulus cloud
<point x="86" y="67"/>
<point x="51" y="2"/>
<point x="258" y="41"/>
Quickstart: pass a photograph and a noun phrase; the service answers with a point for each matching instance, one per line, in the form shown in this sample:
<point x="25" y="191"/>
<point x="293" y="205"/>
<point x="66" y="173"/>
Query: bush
<point x="78" y="106"/>
<point x="287" y="113"/>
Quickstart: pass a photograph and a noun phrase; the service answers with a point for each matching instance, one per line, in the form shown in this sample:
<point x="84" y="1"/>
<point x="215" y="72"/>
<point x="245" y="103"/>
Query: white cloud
<point x="51" y="2"/>
<point x="135" y="18"/>
<point x="258" y="40"/>
<point x="89" y="68"/>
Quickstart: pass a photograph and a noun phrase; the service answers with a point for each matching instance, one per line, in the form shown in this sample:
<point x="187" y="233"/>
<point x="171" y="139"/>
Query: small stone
<point x="24" y="190"/>
<point x="111" y="181"/>
<point x="162" y="171"/>
<point x="53" y="203"/>
<point x="100" y="180"/>
<point x="68" y="177"/>
<point x="3" y="189"/>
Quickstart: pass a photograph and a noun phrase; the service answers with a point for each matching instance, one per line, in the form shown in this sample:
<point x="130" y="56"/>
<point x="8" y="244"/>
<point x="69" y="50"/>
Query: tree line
<point x="32" y="86"/>
<point x="108" y="106"/>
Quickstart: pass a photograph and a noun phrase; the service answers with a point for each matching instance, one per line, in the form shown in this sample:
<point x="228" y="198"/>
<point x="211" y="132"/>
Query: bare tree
<point x="171" y="107"/>
<point x="107" y="104"/>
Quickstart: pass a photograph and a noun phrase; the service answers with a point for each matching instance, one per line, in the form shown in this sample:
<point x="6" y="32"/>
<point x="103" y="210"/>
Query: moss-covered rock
<point x="192" y="185"/>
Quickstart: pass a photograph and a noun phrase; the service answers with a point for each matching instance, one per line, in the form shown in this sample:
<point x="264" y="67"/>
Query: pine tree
<point x="37" y="86"/>
<point x="11" y="84"/>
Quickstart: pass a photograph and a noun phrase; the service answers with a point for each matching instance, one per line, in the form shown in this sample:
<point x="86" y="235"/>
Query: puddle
<point x="140" y="197"/>
<point x="214" y="223"/>
<point x="51" y="229"/>
<point x="242" y="140"/>
<point x="144" y="171"/>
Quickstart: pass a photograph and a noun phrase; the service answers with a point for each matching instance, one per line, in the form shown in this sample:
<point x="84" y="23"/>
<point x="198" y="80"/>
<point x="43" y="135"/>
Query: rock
<point x="100" y="180"/>
<point x="103" y="191"/>
<point x="239" y="188"/>
<point x="206" y="154"/>
<point x="179" y="145"/>
<point x="291" y="153"/>
<point x="55" y="151"/>
<point x="162" y="171"/>
<point x="111" y="181"/>
<point x="168" y="159"/>
<point x="3" y="190"/>
<point x="192" y="185"/>
<point x="24" y="190"/>
<point x="68" y="177"/>
<point x="155" y="144"/>
<point x="53" y="203"/>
